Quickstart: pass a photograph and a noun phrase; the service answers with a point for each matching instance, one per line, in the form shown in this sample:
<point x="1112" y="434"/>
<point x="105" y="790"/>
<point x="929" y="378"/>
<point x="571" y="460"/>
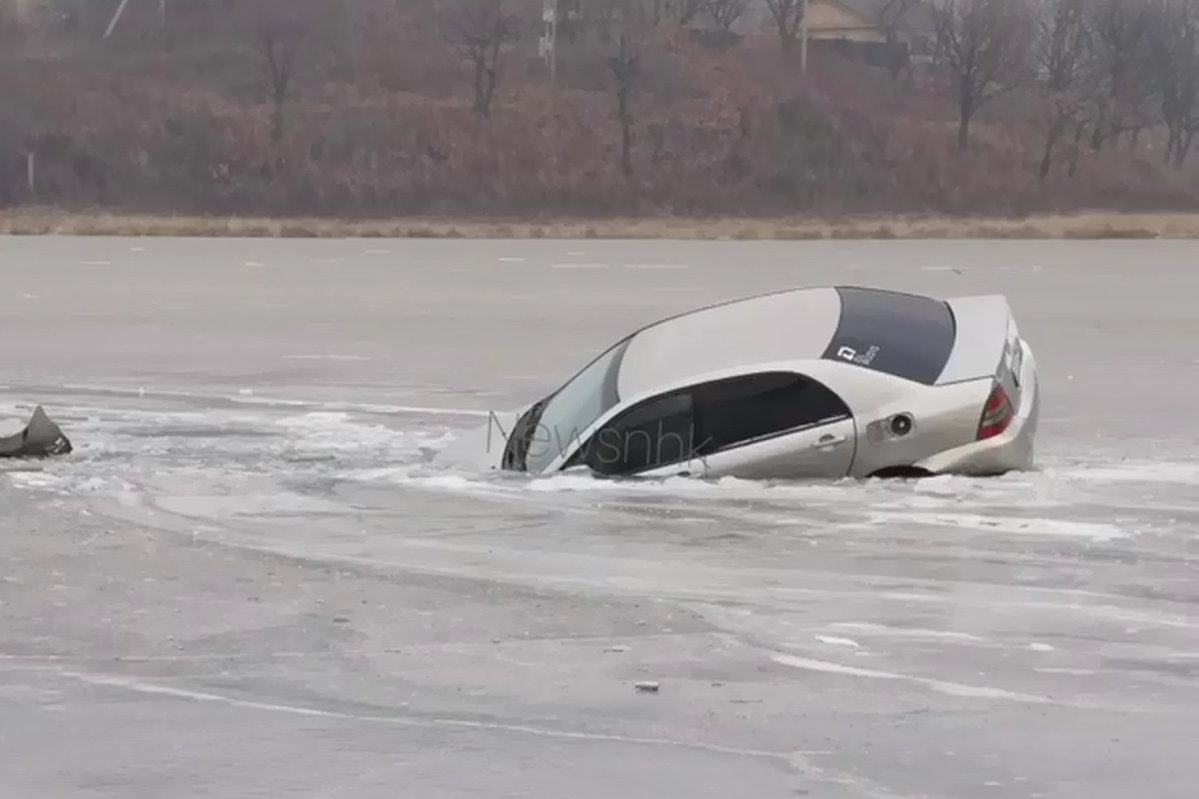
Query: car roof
<point x="792" y="324"/>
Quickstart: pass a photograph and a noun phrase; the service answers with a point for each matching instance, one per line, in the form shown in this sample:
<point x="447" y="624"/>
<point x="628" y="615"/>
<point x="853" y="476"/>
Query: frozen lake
<point x="248" y="580"/>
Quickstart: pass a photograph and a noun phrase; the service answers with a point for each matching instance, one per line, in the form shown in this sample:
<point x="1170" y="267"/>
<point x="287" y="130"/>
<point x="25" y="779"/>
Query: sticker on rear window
<point x="853" y="356"/>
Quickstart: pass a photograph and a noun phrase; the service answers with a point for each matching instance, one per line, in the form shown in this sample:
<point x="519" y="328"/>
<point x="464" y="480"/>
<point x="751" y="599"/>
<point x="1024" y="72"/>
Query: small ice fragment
<point x="647" y="687"/>
<point x="828" y="639"/>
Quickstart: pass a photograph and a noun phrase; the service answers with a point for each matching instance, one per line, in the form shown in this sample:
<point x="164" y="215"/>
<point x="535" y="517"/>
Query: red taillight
<point x="997" y="414"/>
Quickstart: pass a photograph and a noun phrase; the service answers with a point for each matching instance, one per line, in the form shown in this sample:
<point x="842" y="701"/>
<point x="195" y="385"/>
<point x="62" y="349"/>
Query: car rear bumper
<point x="1012" y="450"/>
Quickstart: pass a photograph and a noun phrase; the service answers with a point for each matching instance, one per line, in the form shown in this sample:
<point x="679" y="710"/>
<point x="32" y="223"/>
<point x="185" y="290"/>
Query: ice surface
<point x="251" y="577"/>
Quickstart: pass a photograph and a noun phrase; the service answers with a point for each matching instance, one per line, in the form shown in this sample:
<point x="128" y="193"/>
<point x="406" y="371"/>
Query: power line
<point x="116" y="17"/>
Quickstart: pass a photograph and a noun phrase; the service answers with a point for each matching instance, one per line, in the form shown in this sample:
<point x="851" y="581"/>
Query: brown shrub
<point x="384" y="127"/>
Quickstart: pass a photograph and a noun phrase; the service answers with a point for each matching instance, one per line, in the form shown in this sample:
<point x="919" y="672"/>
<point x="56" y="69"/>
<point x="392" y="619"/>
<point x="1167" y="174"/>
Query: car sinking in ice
<point x="41" y="438"/>
<point x="806" y="383"/>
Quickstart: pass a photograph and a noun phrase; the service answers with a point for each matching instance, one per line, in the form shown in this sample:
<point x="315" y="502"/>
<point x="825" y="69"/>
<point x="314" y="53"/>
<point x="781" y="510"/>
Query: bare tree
<point x="684" y="12"/>
<point x="284" y="39"/>
<point x="891" y="16"/>
<point x="1064" y="50"/>
<point x="687" y="11"/>
<point x="1175" y="72"/>
<point x="1123" y="45"/>
<point x="292" y="41"/>
<point x="787" y="15"/>
<point x="482" y="30"/>
<point x="10" y="27"/>
<point x="984" y="45"/>
<point x="633" y="26"/>
<point x="725" y="13"/>
<point x="571" y="19"/>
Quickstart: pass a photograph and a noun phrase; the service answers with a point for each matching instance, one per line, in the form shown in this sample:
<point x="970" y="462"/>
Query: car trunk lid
<point x="986" y="339"/>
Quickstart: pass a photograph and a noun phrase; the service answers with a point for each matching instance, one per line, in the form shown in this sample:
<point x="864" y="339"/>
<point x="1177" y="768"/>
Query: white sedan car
<point x="822" y="383"/>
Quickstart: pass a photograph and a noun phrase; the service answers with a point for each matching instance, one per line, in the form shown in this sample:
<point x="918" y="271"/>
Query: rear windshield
<point x="905" y="335"/>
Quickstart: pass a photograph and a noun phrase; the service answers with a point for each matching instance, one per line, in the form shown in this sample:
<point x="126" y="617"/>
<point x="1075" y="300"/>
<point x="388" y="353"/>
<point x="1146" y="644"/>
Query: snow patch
<point x="337" y="432"/>
<point x="1017" y="525"/>
<point x="331" y="357"/>
<point x="262" y="504"/>
<point x="950" y="688"/>
<point x="904" y="632"/>
<point x="35" y="480"/>
<point x="835" y="641"/>
<point x="1132" y="471"/>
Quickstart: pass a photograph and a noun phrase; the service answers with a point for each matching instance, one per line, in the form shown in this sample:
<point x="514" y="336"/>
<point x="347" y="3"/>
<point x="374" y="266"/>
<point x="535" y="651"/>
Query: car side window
<point x="654" y="433"/>
<point x="739" y="410"/>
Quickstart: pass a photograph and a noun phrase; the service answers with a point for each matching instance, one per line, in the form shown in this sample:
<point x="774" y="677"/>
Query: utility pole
<point x="549" y="51"/>
<point x="803" y="38"/>
<point x="549" y="39"/>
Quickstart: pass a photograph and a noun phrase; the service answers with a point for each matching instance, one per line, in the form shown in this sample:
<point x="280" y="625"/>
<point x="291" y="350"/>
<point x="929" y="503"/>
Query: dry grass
<point x="1096" y="224"/>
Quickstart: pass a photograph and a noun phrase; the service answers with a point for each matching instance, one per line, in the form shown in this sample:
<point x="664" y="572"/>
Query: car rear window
<point x="905" y="335"/>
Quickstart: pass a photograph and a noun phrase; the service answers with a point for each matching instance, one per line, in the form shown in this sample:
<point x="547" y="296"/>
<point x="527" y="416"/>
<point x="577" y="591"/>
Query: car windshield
<point x="573" y="408"/>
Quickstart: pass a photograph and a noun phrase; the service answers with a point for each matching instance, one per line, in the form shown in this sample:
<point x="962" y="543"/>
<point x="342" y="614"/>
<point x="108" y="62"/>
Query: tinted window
<point x="654" y="433"/>
<point x="905" y="335"/>
<point x="739" y="410"/>
<point x="707" y="418"/>
<point x="571" y="409"/>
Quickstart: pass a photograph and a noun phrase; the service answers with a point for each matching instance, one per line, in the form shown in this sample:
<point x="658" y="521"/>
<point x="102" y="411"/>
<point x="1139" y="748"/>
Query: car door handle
<point x="828" y="440"/>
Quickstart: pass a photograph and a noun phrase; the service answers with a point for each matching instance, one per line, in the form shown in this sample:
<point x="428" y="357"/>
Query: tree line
<point x="381" y="107"/>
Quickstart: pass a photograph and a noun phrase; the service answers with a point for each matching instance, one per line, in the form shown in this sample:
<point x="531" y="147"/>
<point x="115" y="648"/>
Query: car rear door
<point x="768" y="425"/>
<point x="824" y="451"/>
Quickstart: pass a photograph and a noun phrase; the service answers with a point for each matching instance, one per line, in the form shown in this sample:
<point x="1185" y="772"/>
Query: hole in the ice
<point x="901" y="473"/>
